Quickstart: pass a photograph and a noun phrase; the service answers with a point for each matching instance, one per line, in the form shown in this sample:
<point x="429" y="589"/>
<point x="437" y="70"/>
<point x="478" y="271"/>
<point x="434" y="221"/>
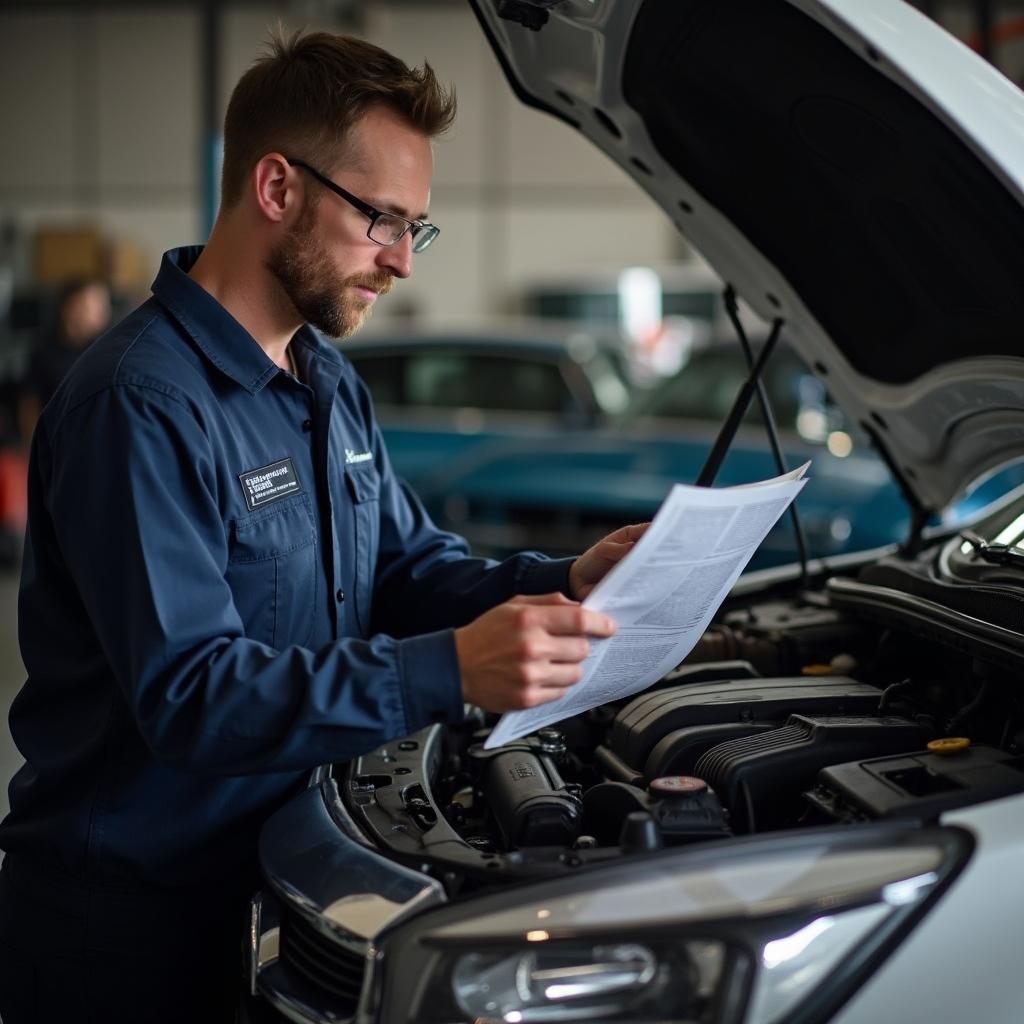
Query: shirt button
<point x="340" y="595"/>
<point x="307" y="425"/>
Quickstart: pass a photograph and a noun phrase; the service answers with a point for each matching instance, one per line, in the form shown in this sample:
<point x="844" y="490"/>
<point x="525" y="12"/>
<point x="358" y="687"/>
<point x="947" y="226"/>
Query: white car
<point x="818" y="817"/>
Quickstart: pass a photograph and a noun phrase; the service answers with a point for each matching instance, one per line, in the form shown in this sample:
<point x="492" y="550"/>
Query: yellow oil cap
<point x="817" y="670"/>
<point x="949" y="745"/>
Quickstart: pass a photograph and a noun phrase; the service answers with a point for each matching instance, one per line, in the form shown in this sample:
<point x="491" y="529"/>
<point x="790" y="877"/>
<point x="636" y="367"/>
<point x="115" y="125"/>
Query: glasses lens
<point x="423" y="235"/>
<point x="387" y="229"/>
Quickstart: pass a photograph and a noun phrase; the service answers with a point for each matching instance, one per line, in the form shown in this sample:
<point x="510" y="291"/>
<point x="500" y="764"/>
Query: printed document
<point x="664" y="592"/>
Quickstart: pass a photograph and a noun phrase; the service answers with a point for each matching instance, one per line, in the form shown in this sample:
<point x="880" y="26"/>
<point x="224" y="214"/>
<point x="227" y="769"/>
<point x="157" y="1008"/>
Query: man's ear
<point x="277" y="187"/>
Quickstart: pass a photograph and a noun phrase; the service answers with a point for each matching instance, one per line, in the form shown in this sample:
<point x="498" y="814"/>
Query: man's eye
<point x="393" y="227"/>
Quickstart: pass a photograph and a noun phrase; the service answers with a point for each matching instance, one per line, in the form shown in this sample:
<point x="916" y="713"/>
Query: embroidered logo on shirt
<point x="354" y="456"/>
<point x="269" y="483"/>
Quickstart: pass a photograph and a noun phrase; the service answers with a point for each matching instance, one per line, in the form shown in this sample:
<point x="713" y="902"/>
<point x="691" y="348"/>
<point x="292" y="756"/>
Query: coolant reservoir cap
<point x="817" y="670"/>
<point x="949" y="745"/>
<point x="677" y="785"/>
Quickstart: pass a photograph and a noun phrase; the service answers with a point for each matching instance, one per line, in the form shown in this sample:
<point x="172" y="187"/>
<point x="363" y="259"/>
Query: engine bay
<point x="824" y="708"/>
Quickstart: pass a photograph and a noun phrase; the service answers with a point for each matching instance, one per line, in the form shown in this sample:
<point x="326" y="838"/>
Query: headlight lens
<point x="567" y="982"/>
<point x="711" y="935"/>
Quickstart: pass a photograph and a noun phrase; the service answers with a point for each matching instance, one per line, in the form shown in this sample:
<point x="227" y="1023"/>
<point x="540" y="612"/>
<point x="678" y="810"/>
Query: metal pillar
<point x="211" y="142"/>
<point x="984" y="21"/>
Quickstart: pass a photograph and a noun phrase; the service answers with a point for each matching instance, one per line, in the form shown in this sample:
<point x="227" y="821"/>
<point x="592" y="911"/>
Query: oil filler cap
<point x="949" y="745"/>
<point x="677" y="785"/>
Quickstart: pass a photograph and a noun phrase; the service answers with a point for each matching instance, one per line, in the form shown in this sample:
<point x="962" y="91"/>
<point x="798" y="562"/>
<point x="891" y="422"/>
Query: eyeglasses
<point x="385" y="228"/>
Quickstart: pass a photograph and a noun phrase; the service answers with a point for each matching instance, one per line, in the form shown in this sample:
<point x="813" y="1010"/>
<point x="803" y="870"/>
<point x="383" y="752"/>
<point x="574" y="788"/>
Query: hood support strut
<point x="713" y="463"/>
<point x="919" y="515"/>
<point x="752" y="385"/>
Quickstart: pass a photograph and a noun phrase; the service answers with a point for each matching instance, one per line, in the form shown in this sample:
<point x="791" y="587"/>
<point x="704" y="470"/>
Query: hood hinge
<point x="531" y="14"/>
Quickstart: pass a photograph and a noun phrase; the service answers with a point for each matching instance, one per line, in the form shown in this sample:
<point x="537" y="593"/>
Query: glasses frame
<point x="415" y="226"/>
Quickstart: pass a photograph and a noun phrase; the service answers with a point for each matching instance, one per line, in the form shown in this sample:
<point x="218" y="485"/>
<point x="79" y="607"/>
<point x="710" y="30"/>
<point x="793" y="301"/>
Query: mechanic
<point x="224" y="584"/>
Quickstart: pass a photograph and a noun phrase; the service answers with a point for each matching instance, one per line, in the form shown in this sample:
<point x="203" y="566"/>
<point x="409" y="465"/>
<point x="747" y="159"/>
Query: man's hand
<point x="526" y="651"/>
<point x="590" y="568"/>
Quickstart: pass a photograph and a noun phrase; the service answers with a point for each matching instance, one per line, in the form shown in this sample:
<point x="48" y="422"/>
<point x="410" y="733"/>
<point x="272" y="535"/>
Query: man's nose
<point x="398" y="257"/>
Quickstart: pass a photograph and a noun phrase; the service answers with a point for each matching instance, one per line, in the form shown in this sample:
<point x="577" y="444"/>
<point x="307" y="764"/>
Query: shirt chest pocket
<point x="363" y="482"/>
<point x="272" y="572"/>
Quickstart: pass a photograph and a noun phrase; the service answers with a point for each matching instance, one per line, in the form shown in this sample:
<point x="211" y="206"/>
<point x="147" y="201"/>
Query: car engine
<point x="867" y="700"/>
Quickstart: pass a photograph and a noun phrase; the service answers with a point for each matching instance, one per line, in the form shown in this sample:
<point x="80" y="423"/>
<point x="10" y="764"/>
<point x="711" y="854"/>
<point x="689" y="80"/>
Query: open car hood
<point x="847" y="166"/>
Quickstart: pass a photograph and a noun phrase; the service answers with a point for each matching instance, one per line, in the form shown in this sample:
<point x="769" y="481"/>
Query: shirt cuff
<point x="545" y="576"/>
<point x="429" y="679"/>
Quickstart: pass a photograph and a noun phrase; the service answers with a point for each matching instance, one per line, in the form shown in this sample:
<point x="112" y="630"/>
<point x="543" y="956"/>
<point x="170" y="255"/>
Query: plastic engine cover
<point x="651" y="718"/>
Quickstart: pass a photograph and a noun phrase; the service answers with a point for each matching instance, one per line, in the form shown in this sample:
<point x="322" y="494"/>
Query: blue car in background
<point x="533" y="439"/>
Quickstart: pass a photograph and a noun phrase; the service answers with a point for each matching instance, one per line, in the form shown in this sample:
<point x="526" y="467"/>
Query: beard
<point x="308" y="277"/>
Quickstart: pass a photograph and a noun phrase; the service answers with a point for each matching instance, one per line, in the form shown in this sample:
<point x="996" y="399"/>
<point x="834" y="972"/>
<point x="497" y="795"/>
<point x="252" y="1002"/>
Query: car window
<point x="605" y="306"/>
<point x="457" y="379"/>
<point x="707" y="386"/>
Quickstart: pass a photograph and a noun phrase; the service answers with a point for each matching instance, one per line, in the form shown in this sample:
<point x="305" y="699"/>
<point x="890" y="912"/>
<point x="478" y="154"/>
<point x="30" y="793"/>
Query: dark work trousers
<point x="145" y="956"/>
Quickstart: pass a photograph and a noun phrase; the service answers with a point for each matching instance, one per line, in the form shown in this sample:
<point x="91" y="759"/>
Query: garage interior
<point x="111" y="113"/>
<point x="109" y="158"/>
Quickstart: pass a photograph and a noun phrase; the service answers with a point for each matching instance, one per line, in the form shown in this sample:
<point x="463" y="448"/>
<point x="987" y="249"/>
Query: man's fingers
<point x="624" y="534"/>
<point x="558" y="614"/>
<point x="636" y="531"/>
<point x="575" y="621"/>
<point x="614" y="550"/>
<point x="556" y="598"/>
<point x="558" y="676"/>
<point x="567" y="648"/>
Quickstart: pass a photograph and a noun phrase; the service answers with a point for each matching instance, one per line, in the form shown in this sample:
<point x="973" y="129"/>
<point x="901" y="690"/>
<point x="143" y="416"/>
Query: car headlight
<point x="573" y="981"/>
<point x="750" y="933"/>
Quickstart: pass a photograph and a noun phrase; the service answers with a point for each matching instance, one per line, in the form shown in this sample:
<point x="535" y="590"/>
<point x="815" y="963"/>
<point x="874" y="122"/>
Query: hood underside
<point x="848" y="167"/>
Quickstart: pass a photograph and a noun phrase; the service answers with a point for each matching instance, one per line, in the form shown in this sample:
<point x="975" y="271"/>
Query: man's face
<point x="326" y="265"/>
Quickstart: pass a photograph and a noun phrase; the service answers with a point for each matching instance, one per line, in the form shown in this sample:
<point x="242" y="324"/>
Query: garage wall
<point x="100" y="119"/>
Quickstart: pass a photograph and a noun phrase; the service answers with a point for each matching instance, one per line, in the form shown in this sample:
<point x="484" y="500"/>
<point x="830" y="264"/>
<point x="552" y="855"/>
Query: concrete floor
<point x="12" y="675"/>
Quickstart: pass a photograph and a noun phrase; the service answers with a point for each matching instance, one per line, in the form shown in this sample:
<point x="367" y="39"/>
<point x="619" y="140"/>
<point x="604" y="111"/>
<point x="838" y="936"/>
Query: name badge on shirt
<point x="269" y="483"/>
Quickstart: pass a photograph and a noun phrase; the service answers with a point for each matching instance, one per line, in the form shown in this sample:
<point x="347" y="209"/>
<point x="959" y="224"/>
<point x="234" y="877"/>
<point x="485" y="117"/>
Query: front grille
<point x="327" y="964"/>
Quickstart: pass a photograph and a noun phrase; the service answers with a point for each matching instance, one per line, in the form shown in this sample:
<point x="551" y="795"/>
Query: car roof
<point x="552" y="338"/>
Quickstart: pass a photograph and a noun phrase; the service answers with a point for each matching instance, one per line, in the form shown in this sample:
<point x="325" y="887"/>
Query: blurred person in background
<point x="225" y="584"/>
<point x="82" y="315"/>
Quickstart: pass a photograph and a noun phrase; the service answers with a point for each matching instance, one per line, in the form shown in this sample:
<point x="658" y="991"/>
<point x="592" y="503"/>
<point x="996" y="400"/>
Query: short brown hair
<point x="305" y="93"/>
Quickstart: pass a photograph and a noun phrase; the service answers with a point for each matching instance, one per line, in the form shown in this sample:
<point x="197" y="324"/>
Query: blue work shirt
<point x="224" y="585"/>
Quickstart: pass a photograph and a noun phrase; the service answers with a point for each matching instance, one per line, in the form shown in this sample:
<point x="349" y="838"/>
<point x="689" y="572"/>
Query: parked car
<point x="526" y="375"/>
<point x="560" y="493"/>
<point x="520" y="442"/>
<point x="818" y="816"/>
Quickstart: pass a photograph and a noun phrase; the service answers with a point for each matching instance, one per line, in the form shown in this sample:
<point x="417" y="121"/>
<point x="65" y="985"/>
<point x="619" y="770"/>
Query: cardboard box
<point x="68" y="251"/>
<point x="128" y="266"/>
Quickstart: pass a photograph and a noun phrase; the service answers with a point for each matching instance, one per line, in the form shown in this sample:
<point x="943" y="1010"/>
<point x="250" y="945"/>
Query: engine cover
<point x="760" y="777"/>
<point x="922" y="784"/>
<point x="643" y="734"/>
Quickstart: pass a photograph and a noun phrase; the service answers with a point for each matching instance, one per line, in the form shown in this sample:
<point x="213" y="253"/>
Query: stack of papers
<point x="664" y="592"/>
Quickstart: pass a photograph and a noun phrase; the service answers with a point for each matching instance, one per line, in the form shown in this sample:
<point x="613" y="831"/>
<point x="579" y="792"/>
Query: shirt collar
<point x="220" y="337"/>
